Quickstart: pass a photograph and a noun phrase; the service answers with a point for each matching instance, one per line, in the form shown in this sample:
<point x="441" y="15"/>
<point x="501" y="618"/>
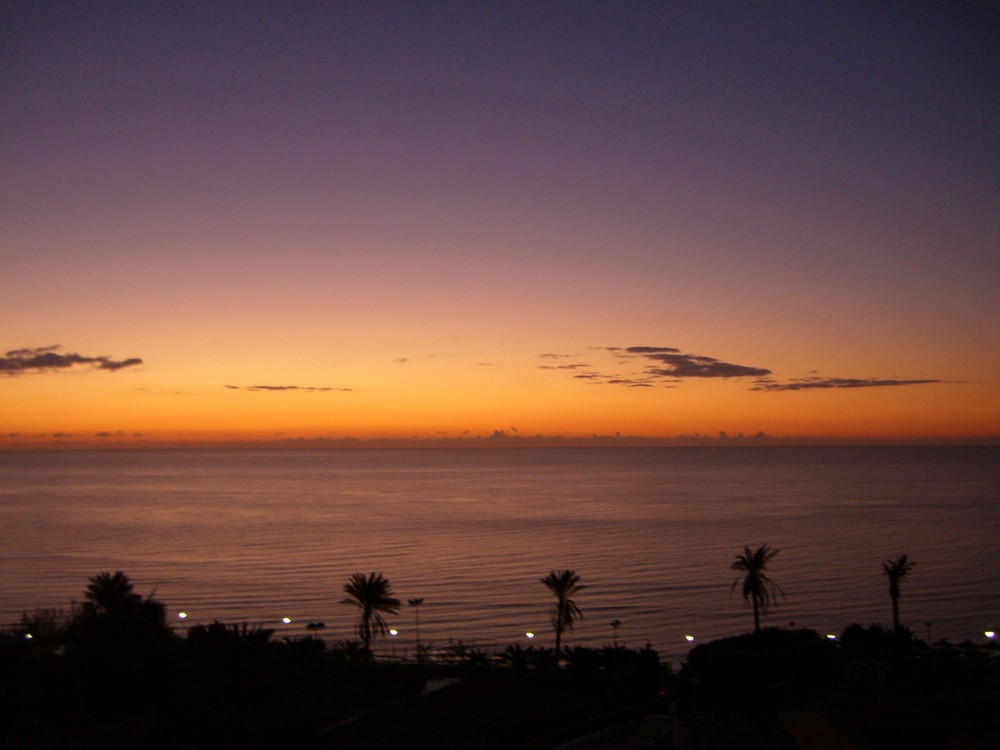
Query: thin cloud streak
<point x="286" y="388"/>
<point x="803" y="384"/>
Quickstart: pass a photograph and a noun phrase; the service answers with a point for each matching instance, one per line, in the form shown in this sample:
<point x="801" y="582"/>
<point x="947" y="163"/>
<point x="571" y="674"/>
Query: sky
<point x="271" y="221"/>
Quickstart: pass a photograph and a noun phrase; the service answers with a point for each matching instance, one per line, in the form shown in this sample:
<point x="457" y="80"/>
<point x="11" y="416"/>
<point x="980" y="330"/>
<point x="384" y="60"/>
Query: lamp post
<point x="415" y="603"/>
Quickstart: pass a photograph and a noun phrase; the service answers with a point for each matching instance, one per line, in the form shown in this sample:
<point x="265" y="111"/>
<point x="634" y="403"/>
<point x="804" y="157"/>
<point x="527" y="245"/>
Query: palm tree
<point x="111" y="595"/>
<point x="563" y="584"/>
<point x="759" y="591"/>
<point x="115" y="627"/>
<point x="895" y="571"/>
<point x="372" y="594"/>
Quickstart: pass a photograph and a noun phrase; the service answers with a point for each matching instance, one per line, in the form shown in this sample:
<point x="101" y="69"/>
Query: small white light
<point x="689" y="638"/>
<point x="393" y="632"/>
<point x="286" y="620"/>
<point x="990" y="634"/>
<point x="529" y="634"/>
<point x="831" y="636"/>
<point x="182" y="615"/>
<point x="29" y="636"/>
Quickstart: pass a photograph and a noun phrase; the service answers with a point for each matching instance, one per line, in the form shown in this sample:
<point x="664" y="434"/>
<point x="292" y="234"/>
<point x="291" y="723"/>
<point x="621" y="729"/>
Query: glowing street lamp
<point x="991" y="634"/>
<point x="529" y="634"/>
<point x="689" y="638"/>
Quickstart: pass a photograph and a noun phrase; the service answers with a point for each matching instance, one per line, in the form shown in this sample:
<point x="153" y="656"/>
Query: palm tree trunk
<point x="756" y="615"/>
<point x="895" y="614"/>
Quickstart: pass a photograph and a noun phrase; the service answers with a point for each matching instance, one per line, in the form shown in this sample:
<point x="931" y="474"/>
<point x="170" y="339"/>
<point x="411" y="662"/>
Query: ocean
<point x="260" y="535"/>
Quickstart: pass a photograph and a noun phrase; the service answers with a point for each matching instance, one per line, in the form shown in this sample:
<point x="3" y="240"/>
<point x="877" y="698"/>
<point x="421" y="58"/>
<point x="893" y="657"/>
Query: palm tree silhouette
<point x="563" y="584"/>
<point x="759" y="591"/>
<point x="111" y="595"/>
<point x="372" y="594"/>
<point x="895" y="571"/>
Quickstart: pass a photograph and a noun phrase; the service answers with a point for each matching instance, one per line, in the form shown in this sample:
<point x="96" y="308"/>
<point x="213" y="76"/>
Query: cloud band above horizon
<point x="668" y="366"/>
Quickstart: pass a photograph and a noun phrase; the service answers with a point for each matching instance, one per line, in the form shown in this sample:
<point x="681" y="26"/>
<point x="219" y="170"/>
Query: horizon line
<point x="498" y="440"/>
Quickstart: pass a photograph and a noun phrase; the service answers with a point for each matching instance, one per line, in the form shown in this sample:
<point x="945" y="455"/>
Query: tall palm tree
<point x="895" y="571"/>
<point x="372" y="594"/>
<point x="759" y="591"/>
<point x="563" y="584"/>
<point x="111" y="595"/>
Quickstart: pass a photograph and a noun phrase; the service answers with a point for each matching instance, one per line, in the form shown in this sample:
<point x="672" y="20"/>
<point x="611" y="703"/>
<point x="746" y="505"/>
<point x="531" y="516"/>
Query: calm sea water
<point x="255" y="536"/>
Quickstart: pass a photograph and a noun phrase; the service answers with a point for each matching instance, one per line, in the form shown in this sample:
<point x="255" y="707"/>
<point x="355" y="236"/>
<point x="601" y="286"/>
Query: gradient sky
<point x="562" y="218"/>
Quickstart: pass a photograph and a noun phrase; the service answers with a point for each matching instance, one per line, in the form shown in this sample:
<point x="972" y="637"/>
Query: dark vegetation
<point x="110" y="673"/>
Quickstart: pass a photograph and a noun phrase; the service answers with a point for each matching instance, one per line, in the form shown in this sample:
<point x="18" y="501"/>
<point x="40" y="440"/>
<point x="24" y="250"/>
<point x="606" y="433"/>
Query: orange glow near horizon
<point x="58" y="409"/>
<point x="205" y="239"/>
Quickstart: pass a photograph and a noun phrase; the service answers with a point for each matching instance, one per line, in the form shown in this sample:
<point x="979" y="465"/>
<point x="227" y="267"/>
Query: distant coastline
<point x="496" y="440"/>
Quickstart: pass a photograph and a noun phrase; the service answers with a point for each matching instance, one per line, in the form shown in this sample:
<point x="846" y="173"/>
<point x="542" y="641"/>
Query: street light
<point x="415" y="603"/>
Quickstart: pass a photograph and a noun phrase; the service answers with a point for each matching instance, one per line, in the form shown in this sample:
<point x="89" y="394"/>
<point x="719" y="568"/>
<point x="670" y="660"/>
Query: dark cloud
<point x="401" y="360"/>
<point x="109" y="364"/>
<point x="48" y="358"/>
<point x="282" y="388"/>
<point x="667" y="364"/>
<point x="554" y="356"/>
<point x="810" y="383"/>
<point x="671" y="363"/>
<point x="693" y="366"/>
